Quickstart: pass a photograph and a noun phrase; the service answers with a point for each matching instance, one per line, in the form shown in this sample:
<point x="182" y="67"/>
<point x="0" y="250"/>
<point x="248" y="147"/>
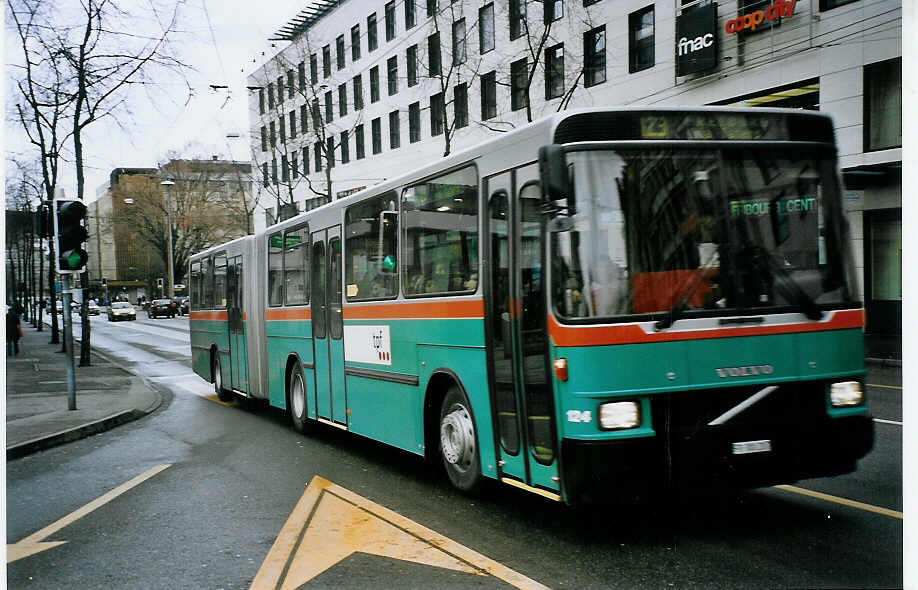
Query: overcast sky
<point x="224" y="40"/>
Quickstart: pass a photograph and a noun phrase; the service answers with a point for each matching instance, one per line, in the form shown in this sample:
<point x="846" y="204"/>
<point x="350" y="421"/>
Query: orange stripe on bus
<point x="563" y="335"/>
<point x="418" y="310"/>
<point x="208" y="315"/>
<point x="300" y="313"/>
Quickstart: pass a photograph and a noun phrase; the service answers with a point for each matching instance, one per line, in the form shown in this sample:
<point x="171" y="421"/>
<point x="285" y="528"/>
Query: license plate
<point x="751" y="446"/>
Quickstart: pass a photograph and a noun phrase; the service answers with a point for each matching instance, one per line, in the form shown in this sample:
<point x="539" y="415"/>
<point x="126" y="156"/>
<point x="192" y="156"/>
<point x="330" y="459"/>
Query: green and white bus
<point x="602" y="303"/>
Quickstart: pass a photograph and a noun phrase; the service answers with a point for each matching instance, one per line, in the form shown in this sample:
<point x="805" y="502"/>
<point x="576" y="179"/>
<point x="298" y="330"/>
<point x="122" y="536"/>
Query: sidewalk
<point x="37" y="417"/>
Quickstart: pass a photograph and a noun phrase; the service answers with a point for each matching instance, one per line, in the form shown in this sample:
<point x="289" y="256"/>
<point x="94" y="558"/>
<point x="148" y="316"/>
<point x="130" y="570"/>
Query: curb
<point x="65" y="436"/>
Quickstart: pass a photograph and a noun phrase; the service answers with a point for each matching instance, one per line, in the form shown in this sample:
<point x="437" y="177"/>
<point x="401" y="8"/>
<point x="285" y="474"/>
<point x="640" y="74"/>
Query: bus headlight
<point x="619" y="415"/>
<point x="846" y="394"/>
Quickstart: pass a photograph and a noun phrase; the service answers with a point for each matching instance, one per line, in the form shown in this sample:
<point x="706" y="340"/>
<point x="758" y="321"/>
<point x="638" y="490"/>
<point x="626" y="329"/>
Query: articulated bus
<point x="605" y="302"/>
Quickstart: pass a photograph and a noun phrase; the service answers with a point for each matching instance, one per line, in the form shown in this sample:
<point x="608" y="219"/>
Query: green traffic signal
<point x="71" y="233"/>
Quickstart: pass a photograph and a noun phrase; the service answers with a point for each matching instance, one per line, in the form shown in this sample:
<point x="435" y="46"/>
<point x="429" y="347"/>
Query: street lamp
<point x="169" y="263"/>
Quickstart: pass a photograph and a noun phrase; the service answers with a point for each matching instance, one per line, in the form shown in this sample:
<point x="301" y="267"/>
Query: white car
<point x="121" y="310"/>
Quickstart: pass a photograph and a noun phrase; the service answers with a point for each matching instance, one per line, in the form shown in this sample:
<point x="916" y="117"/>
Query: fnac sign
<point x="750" y="21"/>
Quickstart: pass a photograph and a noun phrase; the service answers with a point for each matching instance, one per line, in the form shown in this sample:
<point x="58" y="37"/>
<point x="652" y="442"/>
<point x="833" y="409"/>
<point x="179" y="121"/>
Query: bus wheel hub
<point x="457" y="437"/>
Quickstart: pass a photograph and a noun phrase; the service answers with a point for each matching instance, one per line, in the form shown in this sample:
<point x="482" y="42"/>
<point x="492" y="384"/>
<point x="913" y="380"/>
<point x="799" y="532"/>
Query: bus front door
<point x="521" y="382"/>
<point x="239" y="361"/>
<point x="328" y="326"/>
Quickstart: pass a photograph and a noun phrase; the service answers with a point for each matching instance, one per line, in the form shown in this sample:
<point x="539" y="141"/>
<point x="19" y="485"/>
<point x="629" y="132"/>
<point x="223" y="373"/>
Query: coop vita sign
<point x="696" y="40"/>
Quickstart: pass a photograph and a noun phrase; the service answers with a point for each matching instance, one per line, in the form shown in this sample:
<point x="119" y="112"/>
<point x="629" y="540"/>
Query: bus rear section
<point x="703" y="324"/>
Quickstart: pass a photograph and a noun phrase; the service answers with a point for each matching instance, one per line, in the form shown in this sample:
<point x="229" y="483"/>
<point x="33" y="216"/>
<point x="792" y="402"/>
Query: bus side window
<point x="220" y="281"/>
<point x="195" y="302"/>
<point x="371" y="234"/>
<point x="275" y="270"/>
<point x="296" y="244"/>
<point x="440" y="249"/>
<point x="208" y="283"/>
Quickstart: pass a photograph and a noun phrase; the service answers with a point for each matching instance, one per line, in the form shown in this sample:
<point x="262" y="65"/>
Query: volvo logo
<point x="750" y="371"/>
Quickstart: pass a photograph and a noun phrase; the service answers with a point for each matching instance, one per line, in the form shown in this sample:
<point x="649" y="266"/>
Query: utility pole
<point x="169" y="263"/>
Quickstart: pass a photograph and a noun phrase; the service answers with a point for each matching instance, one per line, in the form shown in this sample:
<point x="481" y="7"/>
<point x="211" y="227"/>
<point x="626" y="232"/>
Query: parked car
<point x="121" y="310"/>
<point x="94" y="308"/>
<point x="182" y="303"/>
<point x="161" y="307"/>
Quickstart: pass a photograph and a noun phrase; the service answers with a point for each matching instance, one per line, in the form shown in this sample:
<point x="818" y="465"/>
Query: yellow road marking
<point x="330" y="523"/>
<point x="34" y="543"/>
<point x="884" y="386"/>
<point x="842" y="501"/>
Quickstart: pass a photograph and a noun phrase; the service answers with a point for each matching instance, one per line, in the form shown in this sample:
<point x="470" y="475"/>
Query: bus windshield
<point x="733" y="229"/>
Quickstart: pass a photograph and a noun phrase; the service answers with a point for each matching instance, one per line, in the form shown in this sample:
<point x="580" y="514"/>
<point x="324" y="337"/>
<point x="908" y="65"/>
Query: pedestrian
<point x="13" y="332"/>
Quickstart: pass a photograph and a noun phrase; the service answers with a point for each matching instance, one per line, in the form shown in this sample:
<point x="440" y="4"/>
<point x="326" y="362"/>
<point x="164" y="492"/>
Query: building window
<point x="292" y="124"/>
<point x="433" y="55"/>
<point x="883" y="105"/>
<point x="594" y="56"/>
<point x="414" y="122"/>
<point x="374" y="84"/>
<point x="305" y="160"/>
<point x="640" y="40"/>
<point x="486" y="28"/>
<point x="436" y="114"/>
<point x="376" y="131"/>
<point x="554" y="10"/>
<point x="271" y="134"/>
<point x="358" y="92"/>
<point x="282" y="128"/>
<point x="409" y="14"/>
<point x="355" y="42"/>
<point x="270" y="95"/>
<point x="390" y="20"/>
<point x="329" y="108"/>
<point x="294" y="170"/>
<point x="265" y="179"/>
<point x="264" y="139"/>
<point x="830" y="4"/>
<point x="459" y="53"/>
<point x="461" y="105"/>
<point x="345" y="148"/>
<point x="489" y="96"/>
<point x="326" y="61"/>
<point x="261" y="101"/>
<point x="301" y="74"/>
<point x="371" y="33"/>
<point x="291" y="87"/>
<point x="330" y="152"/>
<point x="342" y="100"/>
<point x="358" y="142"/>
<point x="274" y="170"/>
<point x="280" y="90"/>
<point x="517" y="16"/>
<point x="314" y="69"/>
<point x="304" y="115"/>
<point x="394" y="135"/>
<point x="431" y="7"/>
<point x="392" y="75"/>
<point x="339" y="51"/>
<point x="554" y="71"/>
<point x="519" y="74"/>
<point x="411" y="59"/>
<point x="317" y="156"/>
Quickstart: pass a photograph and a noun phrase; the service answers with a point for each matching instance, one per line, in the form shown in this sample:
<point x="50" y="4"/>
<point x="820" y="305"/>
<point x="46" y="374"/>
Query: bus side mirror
<point x="553" y="173"/>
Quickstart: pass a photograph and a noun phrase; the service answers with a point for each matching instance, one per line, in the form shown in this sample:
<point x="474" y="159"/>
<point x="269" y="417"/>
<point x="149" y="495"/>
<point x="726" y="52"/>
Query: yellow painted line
<point x="842" y="501"/>
<point x="330" y="523"/>
<point x="34" y="542"/>
<point x="539" y="491"/>
<point x="884" y="386"/>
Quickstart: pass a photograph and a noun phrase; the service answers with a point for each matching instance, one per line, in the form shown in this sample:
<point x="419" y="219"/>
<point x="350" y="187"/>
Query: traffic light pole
<point x="67" y="292"/>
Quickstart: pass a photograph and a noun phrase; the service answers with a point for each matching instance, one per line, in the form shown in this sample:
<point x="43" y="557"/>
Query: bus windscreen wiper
<point x="792" y="290"/>
<point x="679" y="307"/>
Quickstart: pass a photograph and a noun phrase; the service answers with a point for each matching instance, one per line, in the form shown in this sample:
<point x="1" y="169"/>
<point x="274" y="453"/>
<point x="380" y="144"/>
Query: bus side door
<point x="518" y="362"/>
<point x="328" y="325"/>
<point x="234" y="310"/>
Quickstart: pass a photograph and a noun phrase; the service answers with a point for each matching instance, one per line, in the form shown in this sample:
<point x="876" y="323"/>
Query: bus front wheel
<point x="296" y="399"/>
<point x="222" y="394"/>
<point x="458" y="443"/>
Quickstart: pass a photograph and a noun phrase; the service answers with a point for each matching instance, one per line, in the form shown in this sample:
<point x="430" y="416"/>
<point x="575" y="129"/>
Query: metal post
<point x="169" y="263"/>
<point x="66" y="291"/>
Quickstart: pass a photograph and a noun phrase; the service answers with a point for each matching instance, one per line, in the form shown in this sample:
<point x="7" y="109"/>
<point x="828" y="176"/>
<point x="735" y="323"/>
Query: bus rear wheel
<point x="222" y="394"/>
<point x="458" y="443"/>
<point x="296" y="399"/>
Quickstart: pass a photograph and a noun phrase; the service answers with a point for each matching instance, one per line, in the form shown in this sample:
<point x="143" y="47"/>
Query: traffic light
<point x="70" y="233"/>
